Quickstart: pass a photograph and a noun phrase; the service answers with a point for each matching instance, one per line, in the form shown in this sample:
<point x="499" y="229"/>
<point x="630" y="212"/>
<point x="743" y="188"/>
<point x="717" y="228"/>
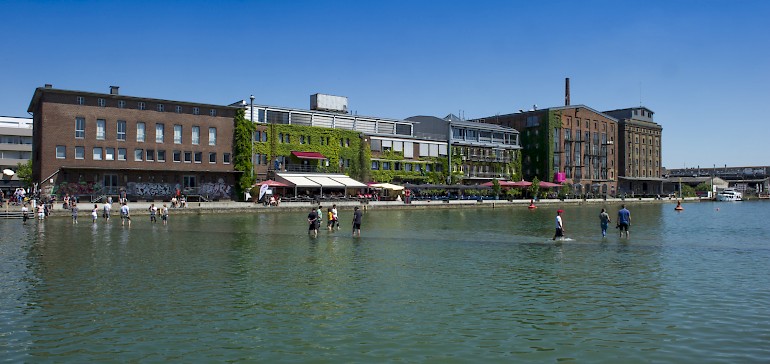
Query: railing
<point x="300" y="168"/>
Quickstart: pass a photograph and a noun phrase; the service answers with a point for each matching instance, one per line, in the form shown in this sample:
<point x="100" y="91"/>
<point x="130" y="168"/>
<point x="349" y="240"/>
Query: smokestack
<point x="48" y="85"/>
<point x="114" y="90"/>
<point x="566" y="91"/>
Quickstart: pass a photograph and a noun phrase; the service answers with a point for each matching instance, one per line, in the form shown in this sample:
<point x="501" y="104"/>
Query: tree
<point x="688" y="191"/>
<point x="242" y="150"/>
<point x="24" y="172"/>
<point x="534" y="189"/>
<point x="703" y="187"/>
<point x="496" y="187"/>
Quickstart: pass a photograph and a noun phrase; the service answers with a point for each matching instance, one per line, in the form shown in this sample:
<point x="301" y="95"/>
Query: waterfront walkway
<point x="141" y="208"/>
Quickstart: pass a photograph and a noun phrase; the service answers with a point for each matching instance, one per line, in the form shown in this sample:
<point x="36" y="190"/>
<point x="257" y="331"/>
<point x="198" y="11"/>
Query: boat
<point x="729" y="194"/>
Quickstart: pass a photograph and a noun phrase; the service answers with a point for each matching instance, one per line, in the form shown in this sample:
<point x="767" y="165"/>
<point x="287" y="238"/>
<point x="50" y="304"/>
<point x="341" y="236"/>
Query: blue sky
<point x="702" y="66"/>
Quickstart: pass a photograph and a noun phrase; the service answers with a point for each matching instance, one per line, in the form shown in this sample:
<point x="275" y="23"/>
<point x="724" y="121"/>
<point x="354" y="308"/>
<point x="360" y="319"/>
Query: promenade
<point x="142" y="208"/>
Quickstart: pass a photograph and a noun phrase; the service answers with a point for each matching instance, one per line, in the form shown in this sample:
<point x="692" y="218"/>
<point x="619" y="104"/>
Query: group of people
<point x="623" y="222"/>
<point x="315" y="218"/>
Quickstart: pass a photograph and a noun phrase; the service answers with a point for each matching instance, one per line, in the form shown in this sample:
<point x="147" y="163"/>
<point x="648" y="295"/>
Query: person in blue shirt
<point x="624" y="220"/>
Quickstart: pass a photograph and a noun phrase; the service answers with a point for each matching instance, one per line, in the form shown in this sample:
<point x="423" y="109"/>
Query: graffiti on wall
<point x="149" y="189"/>
<point x="77" y="188"/>
<point x="216" y="189"/>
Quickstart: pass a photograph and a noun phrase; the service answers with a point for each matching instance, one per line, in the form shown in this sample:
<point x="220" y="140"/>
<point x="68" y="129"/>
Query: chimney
<point x="566" y="91"/>
<point x="48" y="86"/>
<point x="114" y="90"/>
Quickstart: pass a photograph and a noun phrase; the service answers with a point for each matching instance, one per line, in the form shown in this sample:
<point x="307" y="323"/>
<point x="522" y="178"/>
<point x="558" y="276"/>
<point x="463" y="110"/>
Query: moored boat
<point x="729" y="194"/>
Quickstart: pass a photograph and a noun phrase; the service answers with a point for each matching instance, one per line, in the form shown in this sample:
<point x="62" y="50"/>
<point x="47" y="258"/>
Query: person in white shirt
<point x="559" y="226"/>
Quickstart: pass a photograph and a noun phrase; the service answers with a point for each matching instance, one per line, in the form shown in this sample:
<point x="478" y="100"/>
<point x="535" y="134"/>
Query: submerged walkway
<point x="141" y="208"/>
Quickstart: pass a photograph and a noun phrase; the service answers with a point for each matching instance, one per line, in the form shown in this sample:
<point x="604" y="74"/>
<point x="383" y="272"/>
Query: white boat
<point x="729" y="194"/>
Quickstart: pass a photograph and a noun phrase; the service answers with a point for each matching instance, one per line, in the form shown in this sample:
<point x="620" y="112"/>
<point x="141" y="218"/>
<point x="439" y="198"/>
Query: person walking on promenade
<point x="125" y="214"/>
<point x="74" y="210"/>
<point x="604" y="219"/>
<point x="559" y="226"/>
<point x="153" y="213"/>
<point x="357" y="221"/>
<point x="312" y="221"/>
<point x="94" y="214"/>
<point x="624" y="220"/>
<point x="164" y="214"/>
<point x="106" y="209"/>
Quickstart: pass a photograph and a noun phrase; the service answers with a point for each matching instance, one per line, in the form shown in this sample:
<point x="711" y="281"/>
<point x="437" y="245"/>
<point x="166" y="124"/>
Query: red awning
<point x="308" y="155"/>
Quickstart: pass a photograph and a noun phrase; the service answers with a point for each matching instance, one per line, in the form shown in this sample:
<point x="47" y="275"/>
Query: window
<point x="138" y="154"/>
<point x="81" y="100"/>
<point x="150" y="155"/>
<point x="109" y="154"/>
<point x="213" y="112"/>
<point x="80" y="128"/>
<point x="161" y="107"/>
<point x="196" y="135"/>
<point x="212" y="157"/>
<point x="80" y="152"/>
<point x="178" y="109"/>
<point x="375" y="165"/>
<point x="159" y="133"/>
<point x="101" y="102"/>
<point x="161" y="156"/>
<point x="187" y="157"/>
<point x="140" y="132"/>
<point x="121" y="132"/>
<point x="61" y="152"/>
<point x="97" y="154"/>
<point x="198" y="157"/>
<point x="177" y="134"/>
<point x="141" y="106"/>
<point x="196" y="111"/>
<point x="122" y="154"/>
<point x="100" y="129"/>
<point x="301" y="139"/>
<point x="257" y="136"/>
<point x="177" y="156"/>
<point x="212" y="136"/>
<point x="226" y="158"/>
<point x="121" y="104"/>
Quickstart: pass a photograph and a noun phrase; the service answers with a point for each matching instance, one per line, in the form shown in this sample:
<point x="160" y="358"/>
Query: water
<point x="470" y="285"/>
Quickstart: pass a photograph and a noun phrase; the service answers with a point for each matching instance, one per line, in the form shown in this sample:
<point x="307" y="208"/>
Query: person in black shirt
<point x="312" y="217"/>
<point x="357" y="221"/>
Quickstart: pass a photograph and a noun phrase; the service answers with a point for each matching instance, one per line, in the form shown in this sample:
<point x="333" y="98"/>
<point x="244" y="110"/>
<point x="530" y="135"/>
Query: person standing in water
<point x="312" y="220"/>
<point x="74" y="211"/>
<point x="604" y="219"/>
<point x="624" y="220"/>
<point x="559" y="226"/>
<point x="357" y="216"/>
<point x="125" y="214"/>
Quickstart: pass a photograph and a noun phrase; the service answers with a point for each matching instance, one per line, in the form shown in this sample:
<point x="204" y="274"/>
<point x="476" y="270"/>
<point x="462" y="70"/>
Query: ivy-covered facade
<point x="572" y="144"/>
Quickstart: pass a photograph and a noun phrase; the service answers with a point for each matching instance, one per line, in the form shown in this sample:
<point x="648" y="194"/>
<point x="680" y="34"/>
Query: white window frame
<point x="109" y="154"/>
<point x="141" y="132"/>
<point x="196" y="135"/>
<point x="120" y="135"/>
<point x="80" y="130"/>
<point x="177" y="134"/>
<point x="61" y="152"/>
<point x="101" y="125"/>
<point x="122" y="154"/>
<point x="159" y="132"/>
<point x="80" y="152"/>
<point x="212" y="136"/>
<point x="138" y="153"/>
<point x="97" y="156"/>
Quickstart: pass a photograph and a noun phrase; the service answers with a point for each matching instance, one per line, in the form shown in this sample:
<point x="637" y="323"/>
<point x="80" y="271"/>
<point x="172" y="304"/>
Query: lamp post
<point x="251" y="115"/>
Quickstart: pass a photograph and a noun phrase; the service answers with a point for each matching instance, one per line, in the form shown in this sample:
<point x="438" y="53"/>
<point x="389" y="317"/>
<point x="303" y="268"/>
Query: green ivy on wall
<point x="242" y="136"/>
<point x="326" y="141"/>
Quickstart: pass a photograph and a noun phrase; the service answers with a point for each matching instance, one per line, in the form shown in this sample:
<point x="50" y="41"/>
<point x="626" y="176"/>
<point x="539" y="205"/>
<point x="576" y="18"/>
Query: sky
<point x="702" y="66"/>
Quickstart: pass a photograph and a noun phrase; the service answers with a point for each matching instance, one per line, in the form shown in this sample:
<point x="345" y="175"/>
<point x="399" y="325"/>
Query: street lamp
<point x="251" y="115"/>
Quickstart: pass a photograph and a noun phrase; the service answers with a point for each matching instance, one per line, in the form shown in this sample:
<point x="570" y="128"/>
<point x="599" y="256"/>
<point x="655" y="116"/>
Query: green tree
<point x="703" y="187"/>
<point x="688" y="191"/>
<point x="534" y="189"/>
<point x="24" y="172"/>
<point x="496" y="187"/>
<point x="242" y="150"/>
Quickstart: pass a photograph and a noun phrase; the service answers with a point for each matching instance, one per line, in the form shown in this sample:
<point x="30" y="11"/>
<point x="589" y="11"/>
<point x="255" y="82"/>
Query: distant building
<point x="479" y="152"/>
<point x="15" y="148"/>
<point x="749" y="179"/>
<point x="641" y="152"/>
<point x="98" y="144"/>
<point x="572" y="144"/>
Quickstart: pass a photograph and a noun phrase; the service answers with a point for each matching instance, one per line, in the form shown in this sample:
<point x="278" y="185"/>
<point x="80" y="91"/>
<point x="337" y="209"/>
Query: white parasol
<point x="8" y="172"/>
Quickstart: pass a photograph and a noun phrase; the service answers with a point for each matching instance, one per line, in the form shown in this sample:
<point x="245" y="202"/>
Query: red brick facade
<point x="80" y="144"/>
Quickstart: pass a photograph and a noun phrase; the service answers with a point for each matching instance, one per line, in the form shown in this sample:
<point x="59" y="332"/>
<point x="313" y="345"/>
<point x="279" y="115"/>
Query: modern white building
<point x="15" y="148"/>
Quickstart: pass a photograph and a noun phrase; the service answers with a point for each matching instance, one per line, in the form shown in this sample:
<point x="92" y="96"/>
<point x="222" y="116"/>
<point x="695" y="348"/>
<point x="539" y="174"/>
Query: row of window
<point x="120" y="131"/>
<point x="402" y="166"/>
<point x="15" y="139"/>
<point x="149" y="155"/>
<point x="261" y="136"/>
<point x="142" y="105"/>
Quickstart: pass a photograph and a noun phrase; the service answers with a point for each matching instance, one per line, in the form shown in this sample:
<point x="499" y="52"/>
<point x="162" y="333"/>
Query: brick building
<point x="97" y="144"/>
<point x="639" y="138"/>
<point x="574" y="144"/>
